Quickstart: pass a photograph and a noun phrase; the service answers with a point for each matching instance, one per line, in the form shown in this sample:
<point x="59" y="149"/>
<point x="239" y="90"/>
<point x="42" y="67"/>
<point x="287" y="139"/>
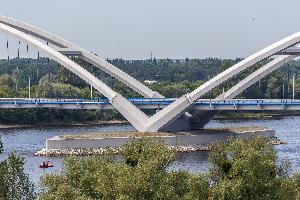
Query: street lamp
<point x="294" y="86"/>
<point x="223" y="93"/>
<point x="91" y="92"/>
<point x="29" y="77"/>
<point x="283" y="91"/>
<point x="259" y="87"/>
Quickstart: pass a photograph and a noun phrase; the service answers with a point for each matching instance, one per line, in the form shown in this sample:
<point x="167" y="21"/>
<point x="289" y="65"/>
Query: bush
<point x="141" y="174"/>
<point x="238" y="170"/>
<point x="247" y="170"/>
<point x="14" y="184"/>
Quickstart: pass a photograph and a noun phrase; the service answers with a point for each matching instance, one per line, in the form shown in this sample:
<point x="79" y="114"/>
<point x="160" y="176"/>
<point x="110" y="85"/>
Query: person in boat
<point x="50" y="164"/>
<point x="46" y="164"/>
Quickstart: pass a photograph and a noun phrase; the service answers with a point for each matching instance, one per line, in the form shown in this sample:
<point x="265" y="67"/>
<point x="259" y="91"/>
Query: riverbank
<point x="241" y="115"/>
<point x="244" y="115"/>
<point x="63" y="124"/>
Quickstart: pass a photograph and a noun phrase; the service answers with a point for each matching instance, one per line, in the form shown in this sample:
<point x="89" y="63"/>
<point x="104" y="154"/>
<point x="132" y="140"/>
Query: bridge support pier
<point x="197" y="121"/>
<point x="183" y="123"/>
<point x="201" y="118"/>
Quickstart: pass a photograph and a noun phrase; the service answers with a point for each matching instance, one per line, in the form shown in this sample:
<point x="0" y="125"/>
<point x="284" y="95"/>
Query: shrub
<point x="246" y="169"/>
<point x="14" y="183"/>
<point x="141" y="174"/>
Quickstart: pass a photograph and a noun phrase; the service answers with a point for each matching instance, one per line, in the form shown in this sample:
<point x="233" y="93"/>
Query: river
<point x="27" y="141"/>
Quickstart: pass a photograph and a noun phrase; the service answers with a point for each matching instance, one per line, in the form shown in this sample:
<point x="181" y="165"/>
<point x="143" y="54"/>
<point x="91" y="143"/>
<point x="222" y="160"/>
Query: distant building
<point x="149" y="82"/>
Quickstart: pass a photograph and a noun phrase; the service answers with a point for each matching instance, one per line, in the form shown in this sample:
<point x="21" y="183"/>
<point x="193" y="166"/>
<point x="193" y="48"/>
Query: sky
<point x="132" y="29"/>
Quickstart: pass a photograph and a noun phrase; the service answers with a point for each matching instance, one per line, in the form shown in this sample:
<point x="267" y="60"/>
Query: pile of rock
<point x="105" y="151"/>
<point x="189" y="148"/>
<point x="277" y="142"/>
<point x="119" y="150"/>
<point x="78" y="152"/>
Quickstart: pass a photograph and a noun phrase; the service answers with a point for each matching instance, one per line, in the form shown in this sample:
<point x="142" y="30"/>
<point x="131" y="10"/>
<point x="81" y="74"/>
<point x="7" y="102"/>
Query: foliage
<point x="6" y="92"/>
<point x="58" y="90"/>
<point x="173" y="90"/>
<point x="15" y="185"/>
<point x="247" y="170"/>
<point x="239" y="169"/>
<point x="7" y="81"/>
<point x="141" y="174"/>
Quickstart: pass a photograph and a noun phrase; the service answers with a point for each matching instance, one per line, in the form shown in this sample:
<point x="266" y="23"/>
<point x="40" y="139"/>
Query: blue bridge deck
<point x="146" y="103"/>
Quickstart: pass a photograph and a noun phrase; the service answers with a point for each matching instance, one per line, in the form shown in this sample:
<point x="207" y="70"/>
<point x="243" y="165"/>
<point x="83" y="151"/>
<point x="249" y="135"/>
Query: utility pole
<point x="288" y="85"/>
<point x="283" y="91"/>
<point x="91" y="91"/>
<point x="294" y="86"/>
<point x="209" y="91"/>
<point x="259" y="88"/>
<point x="223" y="94"/>
<point x="29" y="95"/>
<point x="17" y="73"/>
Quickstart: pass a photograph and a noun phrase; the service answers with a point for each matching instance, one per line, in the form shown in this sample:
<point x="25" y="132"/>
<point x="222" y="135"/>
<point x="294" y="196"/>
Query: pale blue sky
<point x="132" y="29"/>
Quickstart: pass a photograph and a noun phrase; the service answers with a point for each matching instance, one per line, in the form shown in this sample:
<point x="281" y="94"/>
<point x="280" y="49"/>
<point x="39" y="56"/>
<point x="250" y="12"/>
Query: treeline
<point x="174" y="78"/>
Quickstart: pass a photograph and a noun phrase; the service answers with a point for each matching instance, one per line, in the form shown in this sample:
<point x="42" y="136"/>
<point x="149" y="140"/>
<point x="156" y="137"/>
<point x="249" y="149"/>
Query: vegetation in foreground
<point x="14" y="183"/>
<point x="238" y="170"/>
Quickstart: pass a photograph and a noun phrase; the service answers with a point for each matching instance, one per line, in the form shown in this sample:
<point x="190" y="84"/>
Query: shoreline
<point x="264" y="116"/>
<point x="58" y="125"/>
<point x="255" y="116"/>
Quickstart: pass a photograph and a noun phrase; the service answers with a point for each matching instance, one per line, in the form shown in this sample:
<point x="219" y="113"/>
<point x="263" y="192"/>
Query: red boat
<point x="46" y="164"/>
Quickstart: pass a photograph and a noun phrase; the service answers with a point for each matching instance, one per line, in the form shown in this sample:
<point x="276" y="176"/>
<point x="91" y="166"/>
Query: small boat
<point x="46" y="164"/>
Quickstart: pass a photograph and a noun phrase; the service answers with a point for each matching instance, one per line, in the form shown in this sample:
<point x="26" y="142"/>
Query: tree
<point x="6" y="92"/>
<point x="247" y="170"/>
<point x="7" y="81"/>
<point x="141" y="174"/>
<point x="15" y="184"/>
<point x="58" y="90"/>
<point x="239" y="169"/>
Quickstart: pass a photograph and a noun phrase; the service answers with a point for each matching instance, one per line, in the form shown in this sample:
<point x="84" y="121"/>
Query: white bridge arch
<point x="201" y="118"/>
<point x="165" y="117"/>
<point x="72" y="49"/>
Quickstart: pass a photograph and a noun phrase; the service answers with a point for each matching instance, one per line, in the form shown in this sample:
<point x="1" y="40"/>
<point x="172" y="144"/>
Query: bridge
<point x="176" y="115"/>
<point x="153" y="104"/>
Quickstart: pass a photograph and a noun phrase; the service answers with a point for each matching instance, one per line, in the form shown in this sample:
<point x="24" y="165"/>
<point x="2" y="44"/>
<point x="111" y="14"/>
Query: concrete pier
<point x="202" y="137"/>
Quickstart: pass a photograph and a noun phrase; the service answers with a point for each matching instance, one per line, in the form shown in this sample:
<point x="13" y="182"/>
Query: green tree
<point x="7" y="81"/>
<point x="247" y="170"/>
<point x="141" y="174"/>
<point x="239" y="169"/>
<point x="58" y="90"/>
<point x="14" y="183"/>
<point x="6" y="92"/>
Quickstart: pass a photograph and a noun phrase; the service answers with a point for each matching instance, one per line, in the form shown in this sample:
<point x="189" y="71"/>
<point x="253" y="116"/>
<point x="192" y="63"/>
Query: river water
<point x="27" y="141"/>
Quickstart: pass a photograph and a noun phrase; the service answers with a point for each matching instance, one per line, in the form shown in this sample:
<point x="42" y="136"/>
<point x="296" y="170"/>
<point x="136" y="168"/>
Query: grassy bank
<point x="61" y="124"/>
<point x="256" y="114"/>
